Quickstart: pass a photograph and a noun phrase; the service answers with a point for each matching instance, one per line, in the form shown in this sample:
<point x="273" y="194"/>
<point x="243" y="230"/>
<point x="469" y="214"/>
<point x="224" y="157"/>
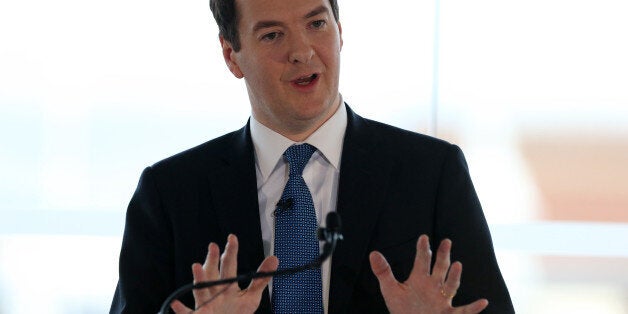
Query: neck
<point x="299" y="132"/>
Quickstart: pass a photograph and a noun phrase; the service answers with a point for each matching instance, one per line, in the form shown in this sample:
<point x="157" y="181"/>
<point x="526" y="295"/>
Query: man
<point x="389" y="186"/>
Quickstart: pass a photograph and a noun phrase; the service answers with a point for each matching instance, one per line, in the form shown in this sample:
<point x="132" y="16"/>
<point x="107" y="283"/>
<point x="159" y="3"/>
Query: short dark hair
<point x="226" y="17"/>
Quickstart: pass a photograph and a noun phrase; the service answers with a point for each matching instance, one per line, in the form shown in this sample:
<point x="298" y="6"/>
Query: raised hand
<point x="424" y="292"/>
<point x="226" y="298"/>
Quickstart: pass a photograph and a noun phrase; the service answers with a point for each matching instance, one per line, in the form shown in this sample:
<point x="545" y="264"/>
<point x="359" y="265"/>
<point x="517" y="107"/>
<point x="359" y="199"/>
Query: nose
<point x="300" y="49"/>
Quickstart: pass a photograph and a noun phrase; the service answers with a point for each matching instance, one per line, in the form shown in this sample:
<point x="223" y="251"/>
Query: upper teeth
<point x="305" y="80"/>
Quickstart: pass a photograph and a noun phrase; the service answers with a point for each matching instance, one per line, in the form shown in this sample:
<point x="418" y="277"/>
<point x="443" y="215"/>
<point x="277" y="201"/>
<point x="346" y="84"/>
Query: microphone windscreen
<point x="332" y="221"/>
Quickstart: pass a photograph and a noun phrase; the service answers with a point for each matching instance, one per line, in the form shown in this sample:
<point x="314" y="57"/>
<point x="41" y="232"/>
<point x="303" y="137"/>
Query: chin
<point x="313" y="111"/>
<point x="314" y="115"/>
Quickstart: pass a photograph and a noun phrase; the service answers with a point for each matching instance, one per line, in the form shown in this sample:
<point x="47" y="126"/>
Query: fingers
<point x="450" y="287"/>
<point x="422" y="259"/>
<point x="429" y="291"/>
<point x="381" y="269"/>
<point x="208" y="272"/>
<point x="199" y="276"/>
<point x="179" y="308"/>
<point x="473" y="308"/>
<point x="258" y="284"/>
<point x="225" y="266"/>
<point x="229" y="259"/>
<point x="441" y="266"/>
<point x="215" y="267"/>
<point x="212" y="261"/>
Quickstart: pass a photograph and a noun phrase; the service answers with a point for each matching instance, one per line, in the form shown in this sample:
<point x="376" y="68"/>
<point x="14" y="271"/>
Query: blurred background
<point x="535" y="92"/>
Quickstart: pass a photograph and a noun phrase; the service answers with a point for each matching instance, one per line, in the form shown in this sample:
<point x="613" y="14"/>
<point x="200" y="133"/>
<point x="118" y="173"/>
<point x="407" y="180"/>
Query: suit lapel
<point x="362" y="174"/>
<point x="234" y="190"/>
<point x="234" y="195"/>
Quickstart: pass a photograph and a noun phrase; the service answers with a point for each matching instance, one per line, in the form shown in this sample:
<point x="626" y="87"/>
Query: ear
<point x="230" y="58"/>
<point x="340" y="33"/>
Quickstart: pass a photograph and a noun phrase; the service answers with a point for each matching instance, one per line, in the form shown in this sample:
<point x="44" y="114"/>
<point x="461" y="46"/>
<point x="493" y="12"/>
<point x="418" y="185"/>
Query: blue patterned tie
<point x="296" y="243"/>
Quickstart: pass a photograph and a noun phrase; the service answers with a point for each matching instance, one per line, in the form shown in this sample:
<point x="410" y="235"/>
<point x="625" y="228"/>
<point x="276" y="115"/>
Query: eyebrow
<point x="265" y="24"/>
<point x="317" y="11"/>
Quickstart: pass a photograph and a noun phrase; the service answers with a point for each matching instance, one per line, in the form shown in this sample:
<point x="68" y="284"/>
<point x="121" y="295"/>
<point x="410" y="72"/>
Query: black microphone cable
<point x="331" y="233"/>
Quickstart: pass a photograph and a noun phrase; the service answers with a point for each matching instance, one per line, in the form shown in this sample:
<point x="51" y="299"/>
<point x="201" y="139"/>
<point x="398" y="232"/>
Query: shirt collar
<point x="270" y="145"/>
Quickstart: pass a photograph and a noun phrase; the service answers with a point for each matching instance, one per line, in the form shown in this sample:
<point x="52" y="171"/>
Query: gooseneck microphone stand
<point x="331" y="233"/>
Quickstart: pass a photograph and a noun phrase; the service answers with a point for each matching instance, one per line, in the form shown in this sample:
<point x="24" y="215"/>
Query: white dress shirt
<point x="320" y="174"/>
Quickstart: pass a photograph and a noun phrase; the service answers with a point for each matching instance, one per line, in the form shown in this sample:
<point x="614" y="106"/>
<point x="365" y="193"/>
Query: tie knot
<point x="297" y="156"/>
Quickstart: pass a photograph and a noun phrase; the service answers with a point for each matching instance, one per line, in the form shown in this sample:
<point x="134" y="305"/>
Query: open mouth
<point x="306" y="80"/>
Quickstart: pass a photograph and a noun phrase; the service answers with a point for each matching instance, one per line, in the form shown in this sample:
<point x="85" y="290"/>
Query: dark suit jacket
<point x="394" y="186"/>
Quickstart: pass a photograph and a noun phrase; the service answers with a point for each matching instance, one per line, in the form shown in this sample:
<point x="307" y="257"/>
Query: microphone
<point x="284" y="204"/>
<point x="331" y="234"/>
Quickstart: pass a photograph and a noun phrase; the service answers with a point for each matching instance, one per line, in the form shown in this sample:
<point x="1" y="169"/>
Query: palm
<point x="425" y="291"/>
<point x="225" y="299"/>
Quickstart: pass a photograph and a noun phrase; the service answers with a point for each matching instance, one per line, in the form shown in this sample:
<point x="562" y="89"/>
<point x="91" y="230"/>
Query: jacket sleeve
<point x="146" y="258"/>
<point x="459" y="217"/>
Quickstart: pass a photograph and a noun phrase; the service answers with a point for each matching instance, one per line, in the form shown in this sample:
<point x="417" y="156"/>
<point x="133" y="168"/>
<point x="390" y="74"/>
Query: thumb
<point x="179" y="308"/>
<point x="381" y="269"/>
<point x="269" y="264"/>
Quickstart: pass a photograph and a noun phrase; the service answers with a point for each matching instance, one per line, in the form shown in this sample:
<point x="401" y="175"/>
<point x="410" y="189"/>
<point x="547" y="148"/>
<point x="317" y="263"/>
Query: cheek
<point x="330" y="53"/>
<point x="331" y="59"/>
<point x="263" y="65"/>
<point x="264" y="83"/>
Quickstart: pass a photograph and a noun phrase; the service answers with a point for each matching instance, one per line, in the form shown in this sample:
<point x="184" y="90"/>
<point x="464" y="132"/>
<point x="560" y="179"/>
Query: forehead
<point x="252" y="11"/>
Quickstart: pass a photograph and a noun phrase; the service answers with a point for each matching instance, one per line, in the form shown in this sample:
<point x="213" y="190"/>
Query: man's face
<point x="290" y="60"/>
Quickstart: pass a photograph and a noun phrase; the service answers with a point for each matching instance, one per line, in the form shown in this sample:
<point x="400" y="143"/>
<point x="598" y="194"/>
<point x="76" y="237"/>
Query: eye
<point x="270" y="36"/>
<point x="318" y="24"/>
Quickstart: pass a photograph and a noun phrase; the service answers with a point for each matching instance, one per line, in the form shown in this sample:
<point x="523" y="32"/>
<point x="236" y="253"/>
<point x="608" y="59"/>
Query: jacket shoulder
<point x="206" y="153"/>
<point x="401" y="141"/>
